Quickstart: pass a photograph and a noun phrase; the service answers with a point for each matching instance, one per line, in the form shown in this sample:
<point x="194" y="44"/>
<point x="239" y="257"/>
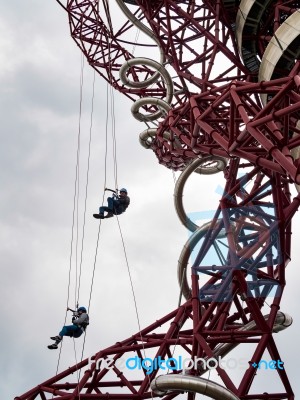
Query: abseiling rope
<point x="133" y="294"/>
<point x="77" y="373"/>
<point x="100" y="222"/>
<point x="76" y="203"/>
<point x="86" y="188"/>
<point x="163" y="106"/>
<point x="113" y="132"/>
<point x="74" y="199"/>
<point x="115" y="162"/>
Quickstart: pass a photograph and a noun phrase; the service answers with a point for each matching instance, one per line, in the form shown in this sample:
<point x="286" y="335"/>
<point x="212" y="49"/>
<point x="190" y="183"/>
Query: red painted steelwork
<point x="215" y="111"/>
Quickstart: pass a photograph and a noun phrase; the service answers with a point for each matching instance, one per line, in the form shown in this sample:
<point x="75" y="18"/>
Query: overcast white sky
<point x="39" y="73"/>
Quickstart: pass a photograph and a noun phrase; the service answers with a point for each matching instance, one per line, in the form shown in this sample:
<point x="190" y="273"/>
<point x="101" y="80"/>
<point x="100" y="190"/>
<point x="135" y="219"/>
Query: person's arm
<point x="83" y="318"/>
<point x="111" y="190"/>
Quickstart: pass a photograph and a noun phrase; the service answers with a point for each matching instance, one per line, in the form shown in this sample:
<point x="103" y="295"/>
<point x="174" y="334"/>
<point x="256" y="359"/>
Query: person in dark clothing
<point x="80" y="321"/>
<point x="116" y="205"/>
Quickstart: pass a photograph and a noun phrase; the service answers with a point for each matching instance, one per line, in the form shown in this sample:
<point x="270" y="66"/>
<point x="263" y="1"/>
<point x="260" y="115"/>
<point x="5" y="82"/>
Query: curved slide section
<point x="162" y="384"/>
<point x="247" y="26"/>
<point x="282" y="51"/>
<point x="280" y="55"/>
<point x="148" y="135"/>
<point x="282" y="322"/>
<point x="140" y="25"/>
<point x="180" y="382"/>
<point x="206" y="166"/>
<point x="184" y="259"/>
<point x="161" y="72"/>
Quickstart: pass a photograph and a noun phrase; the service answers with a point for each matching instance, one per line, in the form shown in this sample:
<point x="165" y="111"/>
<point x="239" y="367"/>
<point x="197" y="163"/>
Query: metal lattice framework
<point x="223" y="95"/>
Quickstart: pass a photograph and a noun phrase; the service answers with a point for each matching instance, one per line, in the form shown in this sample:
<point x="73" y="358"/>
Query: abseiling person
<point x="80" y="321"/>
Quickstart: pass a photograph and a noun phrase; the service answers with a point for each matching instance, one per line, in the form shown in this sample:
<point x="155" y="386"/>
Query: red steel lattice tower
<point x="222" y="96"/>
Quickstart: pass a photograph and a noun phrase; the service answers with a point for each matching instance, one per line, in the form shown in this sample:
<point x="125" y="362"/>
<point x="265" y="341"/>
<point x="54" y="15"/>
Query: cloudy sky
<point x="40" y="68"/>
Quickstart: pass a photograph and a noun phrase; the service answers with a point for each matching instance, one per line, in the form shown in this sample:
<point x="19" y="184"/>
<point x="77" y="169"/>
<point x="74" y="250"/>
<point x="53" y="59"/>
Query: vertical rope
<point x="92" y="283"/>
<point x="100" y="222"/>
<point x="133" y="294"/>
<point x="77" y="373"/>
<point x="114" y="139"/>
<point x="86" y="188"/>
<point x="78" y="178"/>
<point x="74" y="201"/>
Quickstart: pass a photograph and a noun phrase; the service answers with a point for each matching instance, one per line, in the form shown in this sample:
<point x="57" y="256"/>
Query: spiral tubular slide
<point x="221" y="97"/>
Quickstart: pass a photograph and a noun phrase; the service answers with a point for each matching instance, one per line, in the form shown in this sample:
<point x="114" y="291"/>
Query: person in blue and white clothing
<point x="80" y="321"/>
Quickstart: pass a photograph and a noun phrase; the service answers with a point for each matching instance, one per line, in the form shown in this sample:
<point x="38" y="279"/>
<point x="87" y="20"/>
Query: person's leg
<point x="78" y="333"/>
<point x="108" y="209"/>
<point x="102" y="209"/>
<point x="68" y="330"/>
<point x="110" y="202"/>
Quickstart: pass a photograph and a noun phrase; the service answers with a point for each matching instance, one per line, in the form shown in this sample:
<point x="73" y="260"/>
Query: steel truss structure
<point x="223" y="97"/>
